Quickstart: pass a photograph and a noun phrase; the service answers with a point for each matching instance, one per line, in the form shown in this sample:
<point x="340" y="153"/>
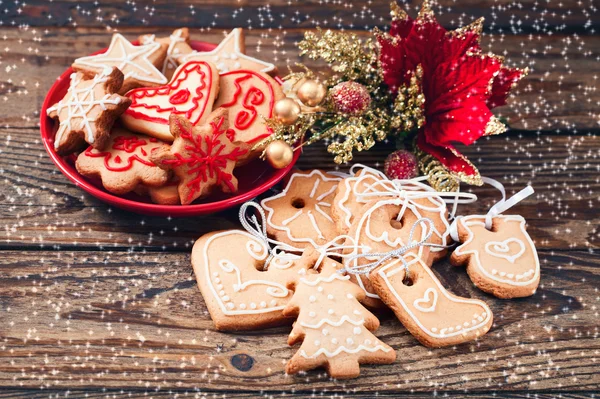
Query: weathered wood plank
<point x="40" y="208"/>
<point x="559" y="93"/>
<point x="137" y="321"/>
<point x="525" y="16"/>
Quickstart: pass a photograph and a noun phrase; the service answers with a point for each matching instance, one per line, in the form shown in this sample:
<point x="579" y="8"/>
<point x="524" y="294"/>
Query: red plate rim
<point x="46" y="127"/>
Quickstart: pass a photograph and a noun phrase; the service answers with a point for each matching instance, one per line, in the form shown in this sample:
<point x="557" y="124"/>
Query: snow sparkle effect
<point x="114" y="292"/>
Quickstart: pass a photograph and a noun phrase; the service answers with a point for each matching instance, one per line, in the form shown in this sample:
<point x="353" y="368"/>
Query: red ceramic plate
<point x="254" y="178"/>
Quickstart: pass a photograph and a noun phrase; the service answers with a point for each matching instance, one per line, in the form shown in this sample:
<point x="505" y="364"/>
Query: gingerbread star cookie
<point x="88" y="110"/>
<point x="202" y="157"/>
<point x="178" y="45"/>
<point x="229" y="55"/>
<point x="138" y="63"/>
<point x="125" y="164"/>
<point x="190" y="93"/>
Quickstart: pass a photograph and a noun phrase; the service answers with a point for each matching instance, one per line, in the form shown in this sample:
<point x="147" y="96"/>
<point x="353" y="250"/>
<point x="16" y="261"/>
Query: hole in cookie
<point x="396" y="224"/>
<point x="298" y="203"/>
<point x="408" y="281"/>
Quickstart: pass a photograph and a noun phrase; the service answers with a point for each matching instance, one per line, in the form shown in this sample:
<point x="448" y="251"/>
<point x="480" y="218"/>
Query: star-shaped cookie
<point x="202" y="157"/>
<point x="88" y="110"/>
<point x="138" y="63"/>
<point x="229" y="55"/>
<point x="178" y="45"/>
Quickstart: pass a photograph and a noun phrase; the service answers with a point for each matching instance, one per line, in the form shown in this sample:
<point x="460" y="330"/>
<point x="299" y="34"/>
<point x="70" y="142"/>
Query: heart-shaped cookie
<point x="239" y="293"/>
<point x="190" y="93"/>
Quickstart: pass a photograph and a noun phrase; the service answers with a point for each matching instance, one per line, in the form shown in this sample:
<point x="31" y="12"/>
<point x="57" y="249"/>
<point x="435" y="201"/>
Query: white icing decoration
<point x="340" y="349"/>
<point x="430" y="297"/>
<point x="342" y="320"/>
<point x="500" y="249"/>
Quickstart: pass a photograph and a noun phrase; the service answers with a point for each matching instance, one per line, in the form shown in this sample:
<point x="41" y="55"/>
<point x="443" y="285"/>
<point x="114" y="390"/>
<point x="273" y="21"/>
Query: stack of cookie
<point x="163" y="120"/>
<point x="330" y="247"/>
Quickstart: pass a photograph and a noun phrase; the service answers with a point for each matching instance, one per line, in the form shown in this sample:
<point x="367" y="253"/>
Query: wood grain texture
<point x="122" y="320"/>
<point x="564" y="16"/>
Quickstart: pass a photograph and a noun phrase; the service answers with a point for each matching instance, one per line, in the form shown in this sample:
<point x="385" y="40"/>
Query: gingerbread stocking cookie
<point x="300" y="214"/>
<point x="240" y="290"/>
<point x="88" y="110"/>
<point x="502" y="261"/>
<point x="249" y="96"/>
<point x="230" y="55"/>
<point x="333" y="326"/>
<point x="125" y="163"/>
<point x="190" y="93"/>
<point x="138" y="63"/>
<point x="178" y="45"/>
<point x="202" y="157"/>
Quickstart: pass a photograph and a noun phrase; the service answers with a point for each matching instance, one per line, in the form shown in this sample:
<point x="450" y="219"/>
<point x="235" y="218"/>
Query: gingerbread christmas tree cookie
<point x="202" y="157"/>
<point x="178" y="45"/>
<point x="88" y="110"/>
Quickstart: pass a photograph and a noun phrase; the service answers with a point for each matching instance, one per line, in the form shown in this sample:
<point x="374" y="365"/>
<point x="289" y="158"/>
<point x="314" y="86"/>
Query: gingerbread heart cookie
<point x="502" y="261"/>
<point x="241" y="291"/>
<point x="88" y="110"/>
<point x="202" y="157"/>
<point x="333" y="326"/>
<point x="249" y="96"/>
<point x="125" y="164"/>
<point x="300" y="214"/>
<point x="138" y="63"/>
<point x="190" y="93"/>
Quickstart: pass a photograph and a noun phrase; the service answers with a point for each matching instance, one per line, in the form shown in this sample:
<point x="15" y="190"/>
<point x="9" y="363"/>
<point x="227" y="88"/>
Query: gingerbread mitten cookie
<point x="138" y="63"/>
<point x="178" y="45"/>
<point x="88" y="110"/>
<point x="202" y="157"/>
<point x="300" y="214"/>
<point x="432" y="314"/>
<point x="124" y="164"/>
<point x="190" y="93"/>
<point x="502" y="261"/>
<point x="334" y="328"/>
<point x="230" y="55"/>
<point x="241" y="291"/>
<point x="249" y="96"/>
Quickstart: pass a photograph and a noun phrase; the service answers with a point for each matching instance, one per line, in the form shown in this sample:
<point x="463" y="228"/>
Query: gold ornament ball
<point x="311" y="93"/>
<point x="287" y="111"/>
<point x="279" y="154"/>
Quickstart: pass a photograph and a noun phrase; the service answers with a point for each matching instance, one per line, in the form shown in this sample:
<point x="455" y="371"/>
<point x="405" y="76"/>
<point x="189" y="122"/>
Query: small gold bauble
<point x="311" y="93"/>
<point x="287" y="111"/>
<point x="279" y="154"/>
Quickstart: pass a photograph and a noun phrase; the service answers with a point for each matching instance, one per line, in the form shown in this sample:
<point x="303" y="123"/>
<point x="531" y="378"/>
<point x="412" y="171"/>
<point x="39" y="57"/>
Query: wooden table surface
<point x="97" y="302"/>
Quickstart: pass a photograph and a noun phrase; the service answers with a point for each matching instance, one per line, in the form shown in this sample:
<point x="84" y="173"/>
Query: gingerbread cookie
<point x="190" y="93"/>
<point x="334" y="328"/>
<point x="88" y="110"/>
<point x="369" y="184"/>
<point x="300" y="214"/>
<point x="241" y="291"/>
<point x="124" y="164"/>
<point x="230" y="55"/>
<point x="249" y="96"/>
<point x="502" y="261"/>
<point x="163" y="195"/>
<point x="202" y="157"/>
<point x="138" y="63"/>
<point x="178" y="45"/>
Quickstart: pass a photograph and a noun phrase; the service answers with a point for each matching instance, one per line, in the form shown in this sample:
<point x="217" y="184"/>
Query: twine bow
<point x="395" y="253"/>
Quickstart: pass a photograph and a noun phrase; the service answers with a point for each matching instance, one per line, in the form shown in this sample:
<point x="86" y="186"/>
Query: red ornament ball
<point x="350" y="98"/>
<point x="401" y="164"/>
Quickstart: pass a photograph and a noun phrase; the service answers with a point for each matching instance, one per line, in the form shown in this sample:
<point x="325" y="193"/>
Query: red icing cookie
<point x="190" y="93"/>
<point x="249" y="96"/>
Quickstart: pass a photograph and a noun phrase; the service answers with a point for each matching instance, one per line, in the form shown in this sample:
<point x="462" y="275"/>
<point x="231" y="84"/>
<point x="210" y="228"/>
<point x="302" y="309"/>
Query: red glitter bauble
<point x="400" y="164"/>
<point x="350" y="98"/>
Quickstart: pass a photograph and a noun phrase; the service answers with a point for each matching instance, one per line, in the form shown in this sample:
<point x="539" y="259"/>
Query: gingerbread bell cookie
<point x="124" y="164"/>
<point x="202" y="157"/>
<point x="178" y="45"/>
<point x="88" y="110"/>
<point x="139" y="64"/>
<point x="336" y="331"/>
<point x="301" y="214"/>
<point x="190" y="93"/>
